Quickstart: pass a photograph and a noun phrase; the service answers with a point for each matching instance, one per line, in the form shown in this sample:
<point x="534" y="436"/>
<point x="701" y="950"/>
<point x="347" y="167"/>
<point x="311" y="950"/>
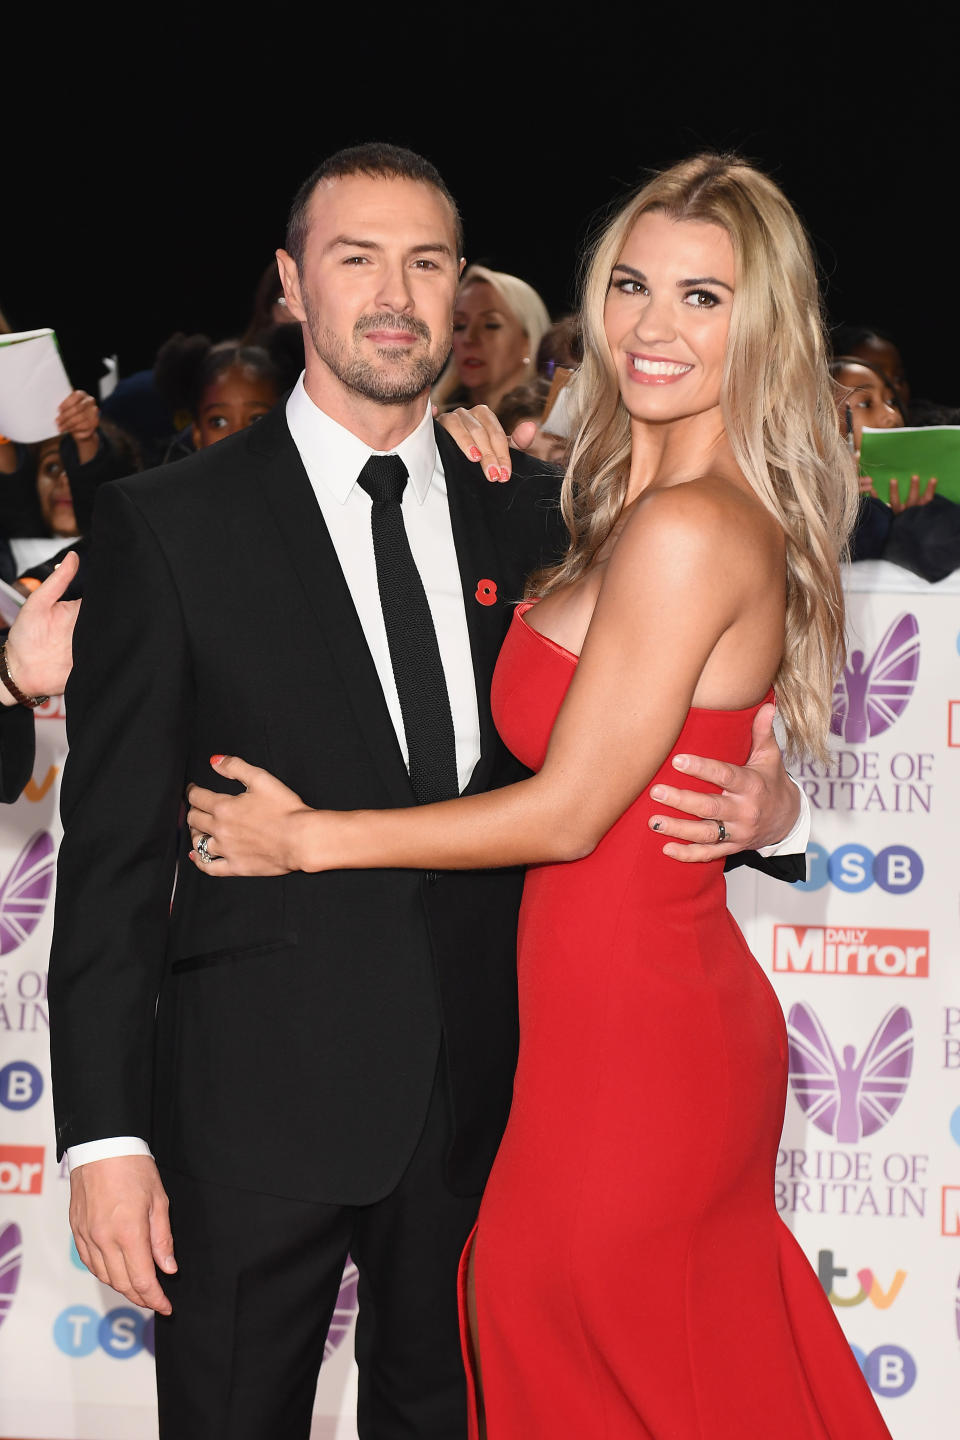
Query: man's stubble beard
<point x="404" y="376"/>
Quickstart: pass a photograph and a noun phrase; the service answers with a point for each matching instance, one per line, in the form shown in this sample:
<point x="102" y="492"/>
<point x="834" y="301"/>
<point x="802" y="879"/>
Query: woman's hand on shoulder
<point x="482" y="439"/>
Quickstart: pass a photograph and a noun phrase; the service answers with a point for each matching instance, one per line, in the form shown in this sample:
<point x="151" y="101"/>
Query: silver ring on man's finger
<point x="721" y="831"/>
<point x="203" y="852"/>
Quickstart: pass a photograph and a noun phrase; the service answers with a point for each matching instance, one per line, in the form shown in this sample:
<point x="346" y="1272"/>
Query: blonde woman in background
<point x="498" y="323"/>
<point x="630" y="1275"/>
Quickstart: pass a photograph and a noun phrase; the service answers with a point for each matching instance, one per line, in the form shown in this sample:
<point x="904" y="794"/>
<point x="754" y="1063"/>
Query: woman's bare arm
<point x="658" y="618"/>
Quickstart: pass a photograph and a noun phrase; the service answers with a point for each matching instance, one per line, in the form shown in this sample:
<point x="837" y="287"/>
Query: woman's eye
<point x="493" y="325"/>
<point x="702" y="299"/>
<point x="217" y="422"/>
<point x="630" y="287"/>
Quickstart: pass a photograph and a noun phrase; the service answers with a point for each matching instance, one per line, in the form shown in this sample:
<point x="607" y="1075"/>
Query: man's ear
<point x="290" y="279"/>
<point x="460" y="269"/>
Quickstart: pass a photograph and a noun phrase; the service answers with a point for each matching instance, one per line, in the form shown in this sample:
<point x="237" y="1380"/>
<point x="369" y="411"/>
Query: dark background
<point x="146" y="191"/>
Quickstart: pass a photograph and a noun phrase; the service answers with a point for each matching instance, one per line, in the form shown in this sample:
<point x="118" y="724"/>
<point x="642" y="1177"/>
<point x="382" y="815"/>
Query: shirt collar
<point x="334" y="456"/>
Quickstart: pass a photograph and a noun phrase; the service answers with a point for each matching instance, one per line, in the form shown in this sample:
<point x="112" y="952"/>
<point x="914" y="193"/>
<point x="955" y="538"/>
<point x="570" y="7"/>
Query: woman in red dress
<point x="629" y="1274"/>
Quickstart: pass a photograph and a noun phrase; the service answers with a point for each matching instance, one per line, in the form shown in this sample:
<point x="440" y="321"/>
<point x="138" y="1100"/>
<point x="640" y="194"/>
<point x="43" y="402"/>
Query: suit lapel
<point x="486" y="595"/>
<point x="289" y="496"/>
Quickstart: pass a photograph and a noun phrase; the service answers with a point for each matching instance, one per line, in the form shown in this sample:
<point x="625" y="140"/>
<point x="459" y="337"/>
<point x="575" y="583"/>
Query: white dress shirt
<point x="333" y="458"/>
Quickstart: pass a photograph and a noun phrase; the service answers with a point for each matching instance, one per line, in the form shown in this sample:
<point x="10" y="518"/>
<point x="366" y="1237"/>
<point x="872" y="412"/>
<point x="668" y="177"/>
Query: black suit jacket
<point x="16" y="751"/>
<point x="275" y="1034"/>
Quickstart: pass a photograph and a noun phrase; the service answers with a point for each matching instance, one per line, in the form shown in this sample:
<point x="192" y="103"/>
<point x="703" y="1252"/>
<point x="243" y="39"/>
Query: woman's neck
<point x="672" y="452"/>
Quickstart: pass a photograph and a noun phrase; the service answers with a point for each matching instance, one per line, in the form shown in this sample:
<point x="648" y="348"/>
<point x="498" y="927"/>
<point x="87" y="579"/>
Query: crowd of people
<point x="348" y="881"/>
<point x="506" y="355"/>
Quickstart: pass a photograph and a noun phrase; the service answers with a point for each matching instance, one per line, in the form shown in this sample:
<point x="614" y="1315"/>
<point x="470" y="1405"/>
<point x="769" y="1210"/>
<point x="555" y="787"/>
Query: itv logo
<point x="869" y="1286"/>
<point x="855" y="950"/>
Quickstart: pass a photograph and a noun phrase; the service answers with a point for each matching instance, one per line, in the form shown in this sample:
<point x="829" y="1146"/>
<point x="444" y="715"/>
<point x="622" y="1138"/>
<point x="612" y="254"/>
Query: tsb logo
<point x="830" y="950"/>
<point x="21" y="1169"/>
<point x="121" y="1333"/>
<point x="897" y="869"/>
<point x="888" y="1370"/>
<point x="21" y="1085"/>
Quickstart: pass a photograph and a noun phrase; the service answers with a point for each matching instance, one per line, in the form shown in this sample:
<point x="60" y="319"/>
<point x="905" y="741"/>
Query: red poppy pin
<point x="486" y="592"/>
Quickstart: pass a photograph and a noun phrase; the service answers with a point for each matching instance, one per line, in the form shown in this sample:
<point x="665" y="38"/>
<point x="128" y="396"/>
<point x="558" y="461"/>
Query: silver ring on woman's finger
<point x="721" y="831"/>
<point x="203" y="852"/>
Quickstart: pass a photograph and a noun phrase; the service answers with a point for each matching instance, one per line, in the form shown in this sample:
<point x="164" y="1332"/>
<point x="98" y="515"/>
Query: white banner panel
<point x="864" y="959"/>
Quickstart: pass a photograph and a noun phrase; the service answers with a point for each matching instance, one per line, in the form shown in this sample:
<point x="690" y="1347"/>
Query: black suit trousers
<point x="257" y="1284"/>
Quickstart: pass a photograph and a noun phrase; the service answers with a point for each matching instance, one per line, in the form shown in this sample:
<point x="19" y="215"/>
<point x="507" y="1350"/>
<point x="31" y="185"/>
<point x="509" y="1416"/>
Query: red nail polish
<point x="474" y="452"/>
<point x="494" y="472"/>
<point x="215" y="759"/>
<point x="504" y="473"/>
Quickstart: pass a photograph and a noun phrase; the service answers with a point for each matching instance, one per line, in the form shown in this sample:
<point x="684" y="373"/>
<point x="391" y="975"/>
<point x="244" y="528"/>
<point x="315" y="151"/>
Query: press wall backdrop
<point x="865" y="959"/>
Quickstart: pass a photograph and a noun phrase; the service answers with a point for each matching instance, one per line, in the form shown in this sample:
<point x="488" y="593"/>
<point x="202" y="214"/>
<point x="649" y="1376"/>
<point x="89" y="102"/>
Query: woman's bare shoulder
<point x="705" y="508"/>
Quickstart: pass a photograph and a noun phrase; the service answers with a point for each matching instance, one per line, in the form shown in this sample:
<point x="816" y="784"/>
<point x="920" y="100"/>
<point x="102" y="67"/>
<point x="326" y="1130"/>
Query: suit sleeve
<point x="127" y="703"/>
<point x="16" y="751"/>
<point x="789" y="868"/>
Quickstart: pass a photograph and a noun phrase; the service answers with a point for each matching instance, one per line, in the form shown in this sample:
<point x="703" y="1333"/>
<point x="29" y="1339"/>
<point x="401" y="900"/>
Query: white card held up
<point x="33" y="385"/>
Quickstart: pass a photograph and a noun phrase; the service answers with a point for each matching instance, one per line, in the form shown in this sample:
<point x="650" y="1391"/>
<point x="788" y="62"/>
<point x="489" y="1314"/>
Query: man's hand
<point x="119" y="1215"/>
<point x="481" y="437"/>
<point x="759" y="804"/>
<point x="39" y="646"/>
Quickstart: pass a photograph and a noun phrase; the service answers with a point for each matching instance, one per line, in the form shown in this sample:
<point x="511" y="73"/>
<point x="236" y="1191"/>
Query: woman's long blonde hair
<point x="778" y="409"/>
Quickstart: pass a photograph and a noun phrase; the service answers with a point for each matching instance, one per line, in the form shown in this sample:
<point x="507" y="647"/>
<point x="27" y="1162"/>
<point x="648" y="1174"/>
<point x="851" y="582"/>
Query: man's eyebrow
<point x="349" y="242"/>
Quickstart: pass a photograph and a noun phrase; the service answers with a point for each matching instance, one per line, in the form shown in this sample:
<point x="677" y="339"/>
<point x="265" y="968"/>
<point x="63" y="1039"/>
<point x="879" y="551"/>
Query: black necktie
<point x="414" y="652"/>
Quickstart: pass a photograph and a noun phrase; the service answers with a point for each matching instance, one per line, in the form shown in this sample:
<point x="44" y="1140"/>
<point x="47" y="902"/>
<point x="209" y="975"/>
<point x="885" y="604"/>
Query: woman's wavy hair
<point x="778" y="408"/>
<point x="521" y="300"/>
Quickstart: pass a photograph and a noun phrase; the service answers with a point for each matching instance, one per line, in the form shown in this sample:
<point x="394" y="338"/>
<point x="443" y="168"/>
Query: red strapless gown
<point x="633" y="1277"/>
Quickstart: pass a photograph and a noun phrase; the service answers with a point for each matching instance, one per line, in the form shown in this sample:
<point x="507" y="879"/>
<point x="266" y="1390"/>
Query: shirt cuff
<point x="796" y="842"/>
<point x="109" y="1149"/>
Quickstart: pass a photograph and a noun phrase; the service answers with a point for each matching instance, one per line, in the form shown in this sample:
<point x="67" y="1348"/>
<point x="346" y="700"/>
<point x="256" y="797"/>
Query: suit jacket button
<point x="431" y="877"/>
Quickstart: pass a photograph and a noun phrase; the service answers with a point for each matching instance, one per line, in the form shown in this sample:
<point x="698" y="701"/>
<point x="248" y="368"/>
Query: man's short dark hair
<point x="378" y="160"/>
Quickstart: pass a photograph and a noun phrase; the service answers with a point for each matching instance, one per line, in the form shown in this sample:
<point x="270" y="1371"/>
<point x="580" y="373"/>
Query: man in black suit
<point x="35" y="661"/>
<point x="319" y="1063"/>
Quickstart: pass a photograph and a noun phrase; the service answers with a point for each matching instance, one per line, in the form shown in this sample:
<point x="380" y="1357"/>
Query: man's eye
<point x="217" y="422"/>
<point x="355" y="260"/>
<point x="425" y="265"/>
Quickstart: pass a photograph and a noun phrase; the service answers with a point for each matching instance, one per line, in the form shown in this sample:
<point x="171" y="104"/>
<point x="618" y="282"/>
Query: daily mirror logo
<point x="844" y="1097"/>
<point x="871" y="694"/>
<point x="851" y="950"/>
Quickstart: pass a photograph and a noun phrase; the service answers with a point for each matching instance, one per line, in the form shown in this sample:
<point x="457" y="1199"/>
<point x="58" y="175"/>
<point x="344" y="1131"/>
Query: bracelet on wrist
<point x="30" y="701"/>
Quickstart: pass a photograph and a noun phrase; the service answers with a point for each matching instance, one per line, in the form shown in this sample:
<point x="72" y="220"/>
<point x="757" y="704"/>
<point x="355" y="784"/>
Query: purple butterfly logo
<point x="11" y="1256"/>
<point x="25" y="892"/>
<point x="345" y="1311"/>
<point x="868" y="698"/>
<point x="849" y="1098"/>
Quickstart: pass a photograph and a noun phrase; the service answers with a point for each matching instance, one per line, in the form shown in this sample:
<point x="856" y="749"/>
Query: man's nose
<point x="393" y="292"/>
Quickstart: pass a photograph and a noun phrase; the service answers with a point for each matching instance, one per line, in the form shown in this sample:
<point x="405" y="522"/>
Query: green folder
<point x="931" y="450"/>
